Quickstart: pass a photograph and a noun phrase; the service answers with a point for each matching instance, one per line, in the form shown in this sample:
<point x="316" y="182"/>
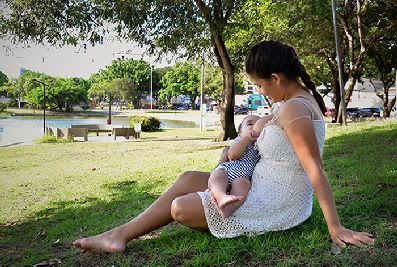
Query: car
<point x="263" y="110"/>
<point x="370" y="112"/>
<point x="240" y="110"/>
<point x="353" y="112"/>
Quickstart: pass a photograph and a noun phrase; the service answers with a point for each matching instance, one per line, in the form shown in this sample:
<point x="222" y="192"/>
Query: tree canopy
<point x="187" y="28"/>
<point x="3" y="78"/>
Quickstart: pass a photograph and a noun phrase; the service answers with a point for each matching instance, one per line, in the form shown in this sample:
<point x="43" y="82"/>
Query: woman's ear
<point x="276" y="78"/>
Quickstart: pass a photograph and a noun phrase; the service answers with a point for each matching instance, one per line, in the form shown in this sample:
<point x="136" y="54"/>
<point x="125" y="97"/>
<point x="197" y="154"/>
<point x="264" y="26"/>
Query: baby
<point x="235" y="175"/>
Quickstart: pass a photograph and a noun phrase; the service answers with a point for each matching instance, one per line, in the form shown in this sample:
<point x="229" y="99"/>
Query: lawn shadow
<point x="364" y="186"/>
<point x="51" y="231"/>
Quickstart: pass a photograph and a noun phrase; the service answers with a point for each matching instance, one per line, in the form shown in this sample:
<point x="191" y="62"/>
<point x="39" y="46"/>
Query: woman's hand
<point x="341" y="236"/>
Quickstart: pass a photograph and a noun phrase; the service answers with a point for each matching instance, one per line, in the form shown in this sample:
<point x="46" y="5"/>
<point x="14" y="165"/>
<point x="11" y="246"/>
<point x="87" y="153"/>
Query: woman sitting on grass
<point x="283" y="181"/>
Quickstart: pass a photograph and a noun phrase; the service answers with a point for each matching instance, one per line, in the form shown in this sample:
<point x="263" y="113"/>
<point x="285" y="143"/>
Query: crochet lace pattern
<point x="281" y="193"/>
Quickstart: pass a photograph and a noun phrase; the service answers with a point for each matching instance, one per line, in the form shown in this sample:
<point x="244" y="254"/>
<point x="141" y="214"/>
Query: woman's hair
<point x="268" y="57"/>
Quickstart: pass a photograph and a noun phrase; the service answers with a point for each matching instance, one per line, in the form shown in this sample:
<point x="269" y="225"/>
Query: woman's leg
<point x="156" y="215"/>
<point x="188" y="210"/>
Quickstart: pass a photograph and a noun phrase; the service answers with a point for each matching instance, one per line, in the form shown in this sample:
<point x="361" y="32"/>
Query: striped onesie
<point x="244" y="167"/>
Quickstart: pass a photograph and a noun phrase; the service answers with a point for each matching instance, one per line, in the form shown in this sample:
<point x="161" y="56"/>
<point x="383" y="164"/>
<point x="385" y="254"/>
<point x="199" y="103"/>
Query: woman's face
<point x="267" y="87"/>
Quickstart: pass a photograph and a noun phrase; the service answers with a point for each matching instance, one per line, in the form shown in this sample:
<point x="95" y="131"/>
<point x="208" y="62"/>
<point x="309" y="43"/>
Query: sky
<point x="68" y="61"/>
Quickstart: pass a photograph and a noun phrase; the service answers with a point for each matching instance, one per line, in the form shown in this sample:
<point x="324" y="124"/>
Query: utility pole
<point x="201" y="93"/>
<point x="151" y="86"/>
<point x="342" y="108"/>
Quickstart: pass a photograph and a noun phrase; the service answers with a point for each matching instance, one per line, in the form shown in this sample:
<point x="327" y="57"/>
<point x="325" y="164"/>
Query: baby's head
<point x="247" y="124"/>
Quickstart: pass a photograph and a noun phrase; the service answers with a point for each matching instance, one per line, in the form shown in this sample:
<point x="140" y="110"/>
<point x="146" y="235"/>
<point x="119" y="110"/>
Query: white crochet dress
<point x="281" y="194"/>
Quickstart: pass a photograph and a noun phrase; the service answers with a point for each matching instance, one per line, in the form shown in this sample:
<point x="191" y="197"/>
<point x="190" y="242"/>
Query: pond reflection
<point x="25" y="129"/>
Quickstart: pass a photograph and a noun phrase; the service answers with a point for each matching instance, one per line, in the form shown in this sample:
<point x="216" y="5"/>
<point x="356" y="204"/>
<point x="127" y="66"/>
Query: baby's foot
<point x="229" y="204"/>
<point x="231" y="207"/>
<point x="106" y="242"/>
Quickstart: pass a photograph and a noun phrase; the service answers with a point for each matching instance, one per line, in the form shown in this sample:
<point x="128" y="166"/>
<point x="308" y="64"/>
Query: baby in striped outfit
<point x="234" y="176"/>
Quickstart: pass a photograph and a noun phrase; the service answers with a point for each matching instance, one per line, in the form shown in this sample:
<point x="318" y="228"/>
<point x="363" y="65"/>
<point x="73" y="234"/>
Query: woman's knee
<point x="177" y="209"/>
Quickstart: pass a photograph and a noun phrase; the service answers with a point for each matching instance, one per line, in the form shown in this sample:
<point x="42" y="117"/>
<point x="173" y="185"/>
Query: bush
<point x="53" y="139"/>
<point x="148" y="124"/>
<point x="3" y="106"/>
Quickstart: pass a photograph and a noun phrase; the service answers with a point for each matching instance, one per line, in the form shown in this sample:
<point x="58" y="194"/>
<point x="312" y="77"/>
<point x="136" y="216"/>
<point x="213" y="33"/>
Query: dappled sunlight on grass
<point x="52" y="194"/>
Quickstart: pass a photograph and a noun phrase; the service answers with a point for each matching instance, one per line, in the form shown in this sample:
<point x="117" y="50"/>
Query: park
<point x="140" y="125"/>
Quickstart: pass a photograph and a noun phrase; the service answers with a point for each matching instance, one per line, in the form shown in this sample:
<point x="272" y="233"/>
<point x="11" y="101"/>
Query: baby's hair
<point x="239" y="127"/>
<point x="268" y="57"/>
<point x="241" y="124"/>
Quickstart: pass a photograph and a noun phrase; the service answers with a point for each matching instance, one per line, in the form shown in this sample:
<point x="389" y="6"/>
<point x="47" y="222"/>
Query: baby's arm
<point x="236" y="150"/>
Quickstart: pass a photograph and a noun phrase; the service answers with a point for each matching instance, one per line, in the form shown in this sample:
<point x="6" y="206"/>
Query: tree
<point x="307" y="25"/>
<point x="165" y="25"/>
<point x="134" y="72"/>
<point x="3" y="79"/>
<point x="382" y="64"/>
<point x="183" y="79"/>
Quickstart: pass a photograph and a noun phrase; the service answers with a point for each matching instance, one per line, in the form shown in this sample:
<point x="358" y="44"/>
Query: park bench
<point x="126" y="132"/>
<point x="67" y="132"/>
<point x="98" y="128"/>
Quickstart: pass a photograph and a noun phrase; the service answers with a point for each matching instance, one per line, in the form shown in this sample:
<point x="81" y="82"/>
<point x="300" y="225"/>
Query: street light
<point x="35" y="80"/>
<point x="342" y="109"/>
<point x="201" y="93"/>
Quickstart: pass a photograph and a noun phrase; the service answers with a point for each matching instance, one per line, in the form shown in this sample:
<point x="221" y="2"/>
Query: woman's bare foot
<point x="107" y="242"/>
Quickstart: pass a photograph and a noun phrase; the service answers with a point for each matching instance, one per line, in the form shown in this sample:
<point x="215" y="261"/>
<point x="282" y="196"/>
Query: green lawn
<point x="52" y="194"/>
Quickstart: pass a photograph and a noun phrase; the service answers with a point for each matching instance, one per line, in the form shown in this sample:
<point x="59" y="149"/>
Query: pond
<point x="24" y="129"/>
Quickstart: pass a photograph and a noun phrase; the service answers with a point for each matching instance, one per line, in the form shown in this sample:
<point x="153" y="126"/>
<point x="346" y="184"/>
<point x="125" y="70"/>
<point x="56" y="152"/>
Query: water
<point x="24" y="129"/>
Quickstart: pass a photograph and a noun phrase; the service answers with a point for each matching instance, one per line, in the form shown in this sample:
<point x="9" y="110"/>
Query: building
<point x="365" y="95"/>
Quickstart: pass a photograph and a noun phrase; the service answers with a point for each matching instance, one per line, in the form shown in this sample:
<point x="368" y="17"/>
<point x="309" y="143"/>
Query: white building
<point x="364" y="95"/>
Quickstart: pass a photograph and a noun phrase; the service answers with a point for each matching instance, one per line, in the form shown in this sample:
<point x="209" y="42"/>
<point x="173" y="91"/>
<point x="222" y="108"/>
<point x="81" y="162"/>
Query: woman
<point x="283" y="181"/>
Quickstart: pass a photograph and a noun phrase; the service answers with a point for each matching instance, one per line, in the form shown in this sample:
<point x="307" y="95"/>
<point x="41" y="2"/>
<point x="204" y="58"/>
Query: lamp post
<point x="201" y="93"/>
<point x="35" y="80"/>
<point x="342" y="109"/>
<point x="151" y="86"/>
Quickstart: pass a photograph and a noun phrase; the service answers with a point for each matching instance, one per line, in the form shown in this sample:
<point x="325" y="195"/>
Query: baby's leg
<point x="218" y="184"/>
<point x="239" y="188"/>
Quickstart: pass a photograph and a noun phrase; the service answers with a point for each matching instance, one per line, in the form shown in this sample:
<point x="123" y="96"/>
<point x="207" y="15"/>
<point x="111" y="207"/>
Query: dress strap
<point x="303" y="102"/>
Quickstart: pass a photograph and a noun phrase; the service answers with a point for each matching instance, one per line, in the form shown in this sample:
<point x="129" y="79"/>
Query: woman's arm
<point x="303" y="138"/>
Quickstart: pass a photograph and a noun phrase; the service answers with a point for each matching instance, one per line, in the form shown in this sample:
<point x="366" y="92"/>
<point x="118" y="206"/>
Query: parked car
<point x="240" y="110"/>
<point x="263" y="110"/>
<point x="353" y="112"/>
<point x="370" y="112"/>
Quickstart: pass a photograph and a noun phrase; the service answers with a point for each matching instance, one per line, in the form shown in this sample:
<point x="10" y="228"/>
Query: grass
<point x="53" y="139"/>
<point x="52" y="194"/>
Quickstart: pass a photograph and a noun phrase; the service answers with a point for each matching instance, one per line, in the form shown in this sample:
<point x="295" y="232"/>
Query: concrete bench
<point x="78" y="132"/>
<point x="126" y="132"/>
<point x="98" y="128"/>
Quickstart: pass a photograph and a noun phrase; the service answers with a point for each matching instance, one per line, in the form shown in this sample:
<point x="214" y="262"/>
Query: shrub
<point x="148" y="124"/>
<point x="3" y="106"/>
<point x="53" y="139"/>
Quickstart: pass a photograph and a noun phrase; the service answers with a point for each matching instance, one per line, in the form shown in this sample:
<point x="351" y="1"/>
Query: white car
<point x="263" y="110"/>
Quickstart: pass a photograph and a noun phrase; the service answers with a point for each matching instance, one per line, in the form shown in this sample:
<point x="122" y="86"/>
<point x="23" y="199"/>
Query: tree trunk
<point x="226" y="107"/>
<point x="216" y="24"/>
